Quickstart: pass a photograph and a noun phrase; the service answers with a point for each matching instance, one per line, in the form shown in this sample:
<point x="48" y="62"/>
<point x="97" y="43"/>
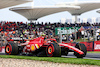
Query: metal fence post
<point x="60" y="36"/>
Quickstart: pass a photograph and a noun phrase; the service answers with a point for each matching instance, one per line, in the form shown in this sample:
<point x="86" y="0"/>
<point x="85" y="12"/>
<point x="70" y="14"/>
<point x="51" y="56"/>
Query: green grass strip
<point x="93" y="52"/>
<point x="56" y="59"/>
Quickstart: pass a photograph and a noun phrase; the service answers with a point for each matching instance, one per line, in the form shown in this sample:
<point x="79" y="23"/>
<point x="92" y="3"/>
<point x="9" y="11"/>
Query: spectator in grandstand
<point x="73" y="36"/>
<point x="79" y="35"/>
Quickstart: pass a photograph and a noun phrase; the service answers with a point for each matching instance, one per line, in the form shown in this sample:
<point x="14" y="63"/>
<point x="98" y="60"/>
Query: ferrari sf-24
<point x="43" y="47"/>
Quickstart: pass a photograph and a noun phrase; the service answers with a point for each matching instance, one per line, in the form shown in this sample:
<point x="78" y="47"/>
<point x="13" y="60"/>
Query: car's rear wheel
<point x="81" y="47"/>
<point x="53" y="50"/>
<point x="11" y="48"/>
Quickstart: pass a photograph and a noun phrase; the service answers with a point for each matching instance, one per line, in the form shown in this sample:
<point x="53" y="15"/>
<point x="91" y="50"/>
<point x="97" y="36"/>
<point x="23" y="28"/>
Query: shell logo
<point x="37" y="46"/>
<point x="32" y="47"/>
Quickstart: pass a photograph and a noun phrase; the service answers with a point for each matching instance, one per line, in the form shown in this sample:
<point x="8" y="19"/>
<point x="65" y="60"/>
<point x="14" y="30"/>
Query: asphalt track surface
<point x="94" y="56"/>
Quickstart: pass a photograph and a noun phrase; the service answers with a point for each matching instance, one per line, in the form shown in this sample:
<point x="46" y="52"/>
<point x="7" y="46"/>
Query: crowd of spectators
<point x="5" y="26"/>
<point x="24" y="29"/>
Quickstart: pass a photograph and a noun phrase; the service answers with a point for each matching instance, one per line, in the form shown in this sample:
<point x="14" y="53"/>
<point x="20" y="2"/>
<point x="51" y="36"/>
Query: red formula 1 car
<point x="45" y="47"/>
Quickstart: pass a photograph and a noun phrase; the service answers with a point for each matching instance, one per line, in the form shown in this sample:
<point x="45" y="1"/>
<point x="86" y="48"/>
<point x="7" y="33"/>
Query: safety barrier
<point x="2" y="49"/>
<point x="97" y="46"/>
<point x="91" y="46"/>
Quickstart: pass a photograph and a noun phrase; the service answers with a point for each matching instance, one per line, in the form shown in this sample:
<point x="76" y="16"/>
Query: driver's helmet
<point x="30" y="38"/>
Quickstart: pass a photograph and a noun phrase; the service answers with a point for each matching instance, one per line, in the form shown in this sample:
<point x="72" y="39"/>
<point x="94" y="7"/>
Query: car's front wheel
<point x="81" y="47"/>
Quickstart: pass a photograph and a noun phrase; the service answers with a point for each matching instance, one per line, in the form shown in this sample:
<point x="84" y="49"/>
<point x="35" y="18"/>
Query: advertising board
<point x="89" y="45"/>
<point x="97" y="46"/>
<point x="66" y="30"/>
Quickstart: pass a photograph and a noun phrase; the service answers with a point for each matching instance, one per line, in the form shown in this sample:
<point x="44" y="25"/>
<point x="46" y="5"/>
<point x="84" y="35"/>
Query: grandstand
<point x="17" y="29"/>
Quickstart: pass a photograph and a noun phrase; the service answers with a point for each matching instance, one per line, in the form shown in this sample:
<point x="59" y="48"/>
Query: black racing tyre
<point x="81" y="47"/>
<point x="11" y="48"/>
<point x="53" y="50"/>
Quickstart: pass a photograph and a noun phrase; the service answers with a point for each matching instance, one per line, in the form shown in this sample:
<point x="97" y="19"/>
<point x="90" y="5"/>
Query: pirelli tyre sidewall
<point x="11" y="48"/>
<point x="81" y="47"/>
<point x="53" y="50"/>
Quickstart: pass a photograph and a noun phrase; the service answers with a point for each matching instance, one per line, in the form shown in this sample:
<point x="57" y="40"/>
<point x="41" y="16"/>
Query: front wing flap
<point x="72" y="48"/>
